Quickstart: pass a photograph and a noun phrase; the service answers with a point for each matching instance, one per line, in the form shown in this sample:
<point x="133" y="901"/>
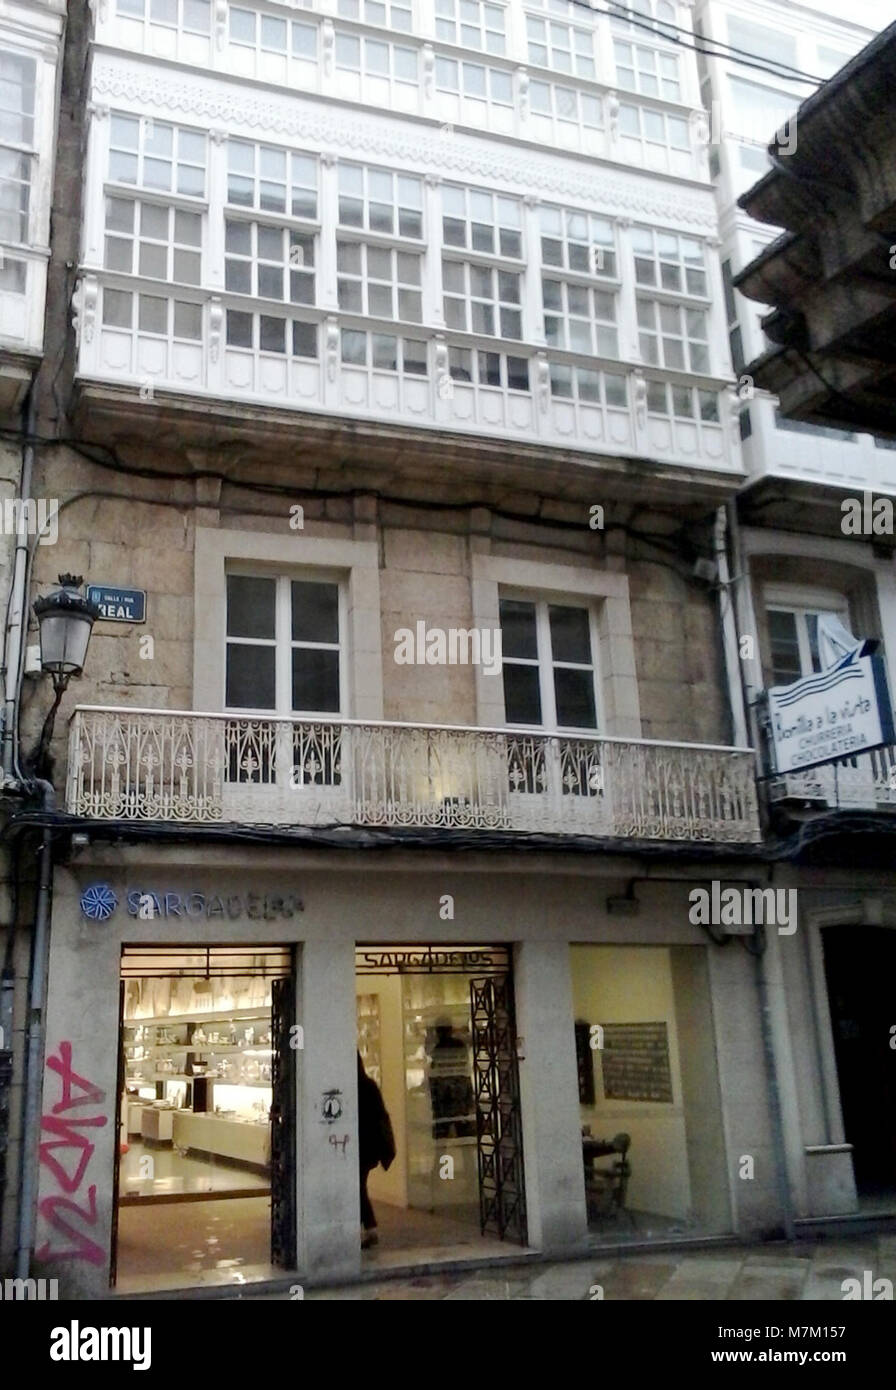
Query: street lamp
<point x="65" y="618"/>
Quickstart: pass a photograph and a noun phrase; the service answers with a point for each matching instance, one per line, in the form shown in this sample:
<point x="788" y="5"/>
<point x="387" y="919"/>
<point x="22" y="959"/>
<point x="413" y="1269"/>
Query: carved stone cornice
<point x="325" y="129"/>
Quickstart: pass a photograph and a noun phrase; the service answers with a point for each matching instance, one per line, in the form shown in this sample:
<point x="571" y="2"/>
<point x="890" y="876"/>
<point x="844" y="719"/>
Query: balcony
<point x="866" y="782"/>
<point x="175" y="766"/>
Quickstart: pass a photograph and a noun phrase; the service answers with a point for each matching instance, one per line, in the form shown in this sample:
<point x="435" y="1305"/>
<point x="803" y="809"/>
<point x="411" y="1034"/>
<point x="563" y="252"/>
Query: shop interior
<point x="653" y="1153"/>
<point x="195" y="1134"/>
<point x="415" y="1041"/>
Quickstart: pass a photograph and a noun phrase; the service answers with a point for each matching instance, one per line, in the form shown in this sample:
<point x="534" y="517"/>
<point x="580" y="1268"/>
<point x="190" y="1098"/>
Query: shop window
<point x="652" y="1138"/>
<point x="283" y="645"/>
<point x="548" y="664"/>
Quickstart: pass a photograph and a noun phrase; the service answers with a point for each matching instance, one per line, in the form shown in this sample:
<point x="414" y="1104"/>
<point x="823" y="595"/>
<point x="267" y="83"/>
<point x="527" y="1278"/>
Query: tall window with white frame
<point x="548" y="665"/>
<point x="482" y="253"/>
<point x="550" y="686"/>
<point x="671" y="280"/>
<point x="17" y="150"/>
<point x="283" y="657"/>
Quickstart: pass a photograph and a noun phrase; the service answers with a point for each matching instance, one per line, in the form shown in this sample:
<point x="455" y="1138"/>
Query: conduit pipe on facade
<point x="34" y="1045"/>
<point x="17" y="621"/>
<point x="782" y="1178"/>
<point x="730" y="643"/>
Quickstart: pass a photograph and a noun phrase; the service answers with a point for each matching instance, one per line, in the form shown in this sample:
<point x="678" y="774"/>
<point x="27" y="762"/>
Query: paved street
<point x="800" y="1271"/>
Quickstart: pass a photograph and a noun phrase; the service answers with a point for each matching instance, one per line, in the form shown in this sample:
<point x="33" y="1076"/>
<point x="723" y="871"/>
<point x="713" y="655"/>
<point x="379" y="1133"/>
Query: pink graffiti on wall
<point x="70" y="1175"/>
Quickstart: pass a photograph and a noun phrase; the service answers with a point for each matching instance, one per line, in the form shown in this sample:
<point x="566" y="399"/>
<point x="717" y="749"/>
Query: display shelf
<point x="202" y="1016"/>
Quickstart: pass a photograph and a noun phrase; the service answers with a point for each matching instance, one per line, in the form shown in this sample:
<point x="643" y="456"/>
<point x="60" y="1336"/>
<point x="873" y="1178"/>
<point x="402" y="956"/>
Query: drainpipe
<point x="34" y="1046"/>
<point x="782" y="1179"/>
<point x="730" y="645"/>
<point x="18" y="618"/>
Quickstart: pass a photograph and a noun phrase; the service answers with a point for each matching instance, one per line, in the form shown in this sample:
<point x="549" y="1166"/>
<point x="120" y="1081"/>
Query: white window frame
<point x="598" y="324"/>
<point x="643" y="116"/>
<point x="366" y="12"/>
<point x="454" y="26"/>
<point x="366" y="44"/>
<point x="801" y="602"/>
<point x="580" y="64"/>
<point x="397" y="286"/>
<point x="455" y="75"/>
<point x="256" y="316"/>
<point x="660" y="335"/>
<point x="169" y="335"/>
<point x="587" y="104"/>
<point x="24" y="151"/>
<point x="370" y="352"/>
<point x="148" y="12"/>
<point x="147" y="126"/>
<point x="137" y="239"/>
<point x="290" y="184"/>
<point x="282" y="640"/>
<point x="468" y="298"/>
<point x="294" y="263"/>
<point x="366" y="198"/>
<point x="546" y="665"/>
<point x="665" y="87"/>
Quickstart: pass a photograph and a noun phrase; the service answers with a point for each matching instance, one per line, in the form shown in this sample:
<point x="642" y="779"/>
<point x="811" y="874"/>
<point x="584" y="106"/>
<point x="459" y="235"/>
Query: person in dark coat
<point x="376" y="1144"/>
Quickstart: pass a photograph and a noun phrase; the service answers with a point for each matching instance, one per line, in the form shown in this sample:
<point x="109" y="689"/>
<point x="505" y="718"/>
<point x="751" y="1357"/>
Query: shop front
<point x="555" y="1075"/>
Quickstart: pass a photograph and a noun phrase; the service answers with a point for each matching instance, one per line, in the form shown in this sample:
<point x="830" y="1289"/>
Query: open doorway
<point x="860" y="963"/>
<point x="436" y="1034"/>
<point x="206" y="1172"/>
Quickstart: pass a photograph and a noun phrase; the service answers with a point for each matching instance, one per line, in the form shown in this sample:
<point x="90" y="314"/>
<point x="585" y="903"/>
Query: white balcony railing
<point x="145" y="765"/>
<point x="865" y="782"/>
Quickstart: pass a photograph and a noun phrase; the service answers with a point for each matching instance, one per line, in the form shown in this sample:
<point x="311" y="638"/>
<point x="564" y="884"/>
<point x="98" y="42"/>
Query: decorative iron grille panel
<point x="499" y="1130"/>
<point x="283" y="1125"/>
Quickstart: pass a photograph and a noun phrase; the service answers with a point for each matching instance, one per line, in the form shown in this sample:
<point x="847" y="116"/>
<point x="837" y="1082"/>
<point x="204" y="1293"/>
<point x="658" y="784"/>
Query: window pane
<point x="518" y="637"/>
<point x="315" y="679"/>
<point x="574" y="693"/>
<point x="785" y="647"/>
<point x="522" y="697"/>
<point x="315" y="612"/>
<point x="250" y="677"/>
<point x="570" y="636"/>
<point x="250" y="606"/>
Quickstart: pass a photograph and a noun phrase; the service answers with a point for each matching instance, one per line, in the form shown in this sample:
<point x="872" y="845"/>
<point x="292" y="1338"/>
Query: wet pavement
<point x="800" y="1271"/>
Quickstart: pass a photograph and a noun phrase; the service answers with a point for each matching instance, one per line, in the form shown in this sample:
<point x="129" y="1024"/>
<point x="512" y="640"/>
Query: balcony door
<point x="285" y="688"/>
<point x="551" y="707"/>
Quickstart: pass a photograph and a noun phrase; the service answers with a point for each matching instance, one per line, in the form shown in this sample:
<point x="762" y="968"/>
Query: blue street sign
<point x="118" y="605"/>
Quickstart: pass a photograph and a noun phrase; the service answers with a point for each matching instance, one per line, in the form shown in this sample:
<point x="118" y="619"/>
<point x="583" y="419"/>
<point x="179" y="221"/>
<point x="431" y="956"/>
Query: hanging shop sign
<point x="830" y="714"/>
<point x="477" y="960"/>
<point x="118" y="605"/>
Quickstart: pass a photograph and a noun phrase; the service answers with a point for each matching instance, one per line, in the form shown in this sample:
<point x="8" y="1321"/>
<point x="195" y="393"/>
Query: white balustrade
<point x="152" y="765"/>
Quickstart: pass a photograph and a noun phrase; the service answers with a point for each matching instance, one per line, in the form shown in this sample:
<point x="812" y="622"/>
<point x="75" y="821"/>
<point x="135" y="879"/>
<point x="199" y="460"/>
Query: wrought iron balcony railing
<point x="864" y="782"/>
<point x="145" y="765"/>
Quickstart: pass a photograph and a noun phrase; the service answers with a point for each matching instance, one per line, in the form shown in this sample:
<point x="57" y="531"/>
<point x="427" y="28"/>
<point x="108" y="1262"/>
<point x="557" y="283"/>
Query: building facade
<point x="396" y="429"/>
